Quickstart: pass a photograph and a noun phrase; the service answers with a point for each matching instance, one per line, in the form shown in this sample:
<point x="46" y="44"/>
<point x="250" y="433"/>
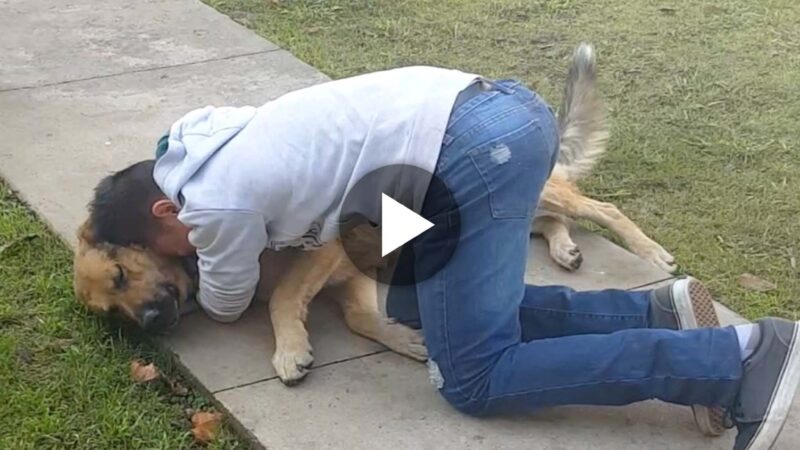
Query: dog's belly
<point x="274" y="265"/>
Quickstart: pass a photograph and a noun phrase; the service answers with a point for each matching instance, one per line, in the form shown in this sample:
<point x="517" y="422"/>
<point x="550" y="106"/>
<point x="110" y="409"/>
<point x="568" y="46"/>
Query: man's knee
<point x="467" y="394"/>
<point x="464" y="404"/>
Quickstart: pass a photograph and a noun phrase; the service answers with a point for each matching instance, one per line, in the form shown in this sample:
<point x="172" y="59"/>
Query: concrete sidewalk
<point x="86" y="87"/>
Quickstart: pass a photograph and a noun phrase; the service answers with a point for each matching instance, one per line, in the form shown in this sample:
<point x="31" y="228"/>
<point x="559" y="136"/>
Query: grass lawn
<point x="705" y="99"/>
<point x="64" y="376"/>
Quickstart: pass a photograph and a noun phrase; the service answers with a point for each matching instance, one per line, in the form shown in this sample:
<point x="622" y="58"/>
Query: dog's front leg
<point x="288" y="308"/>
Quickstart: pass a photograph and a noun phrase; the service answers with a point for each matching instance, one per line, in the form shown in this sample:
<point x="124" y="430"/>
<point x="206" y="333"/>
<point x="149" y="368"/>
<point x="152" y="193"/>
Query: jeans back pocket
<point x="514" y="166"/>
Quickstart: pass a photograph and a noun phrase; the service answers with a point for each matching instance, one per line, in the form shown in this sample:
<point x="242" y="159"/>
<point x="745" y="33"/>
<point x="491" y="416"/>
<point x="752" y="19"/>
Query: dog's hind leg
<point x="564" y="198"/>
<point x="358" y="297"/>
<point x="555" y="230"/>
<point x="612" y="218"/>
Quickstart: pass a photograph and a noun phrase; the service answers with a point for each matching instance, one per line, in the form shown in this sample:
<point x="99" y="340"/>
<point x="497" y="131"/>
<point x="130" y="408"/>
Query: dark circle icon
<point x="391" y="215"/>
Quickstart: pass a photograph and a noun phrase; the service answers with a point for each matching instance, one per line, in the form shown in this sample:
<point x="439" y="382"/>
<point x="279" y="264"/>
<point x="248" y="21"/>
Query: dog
<point x="133" y="282"/>
<point x="130" y="282"/>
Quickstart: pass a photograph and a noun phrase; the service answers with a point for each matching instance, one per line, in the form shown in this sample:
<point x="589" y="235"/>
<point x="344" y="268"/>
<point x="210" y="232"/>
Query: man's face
<point x="172" y="238"/>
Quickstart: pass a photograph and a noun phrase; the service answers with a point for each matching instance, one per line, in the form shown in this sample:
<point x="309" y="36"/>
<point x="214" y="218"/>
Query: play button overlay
<point x="399" y="224"/>
<point x="393" y="213"/>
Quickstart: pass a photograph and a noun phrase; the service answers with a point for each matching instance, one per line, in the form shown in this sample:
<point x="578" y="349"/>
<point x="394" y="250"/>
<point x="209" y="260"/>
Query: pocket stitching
<point x="496" y="212"/>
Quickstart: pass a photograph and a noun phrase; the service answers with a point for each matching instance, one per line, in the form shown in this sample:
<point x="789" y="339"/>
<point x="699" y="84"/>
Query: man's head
<point x="129" y="209"/>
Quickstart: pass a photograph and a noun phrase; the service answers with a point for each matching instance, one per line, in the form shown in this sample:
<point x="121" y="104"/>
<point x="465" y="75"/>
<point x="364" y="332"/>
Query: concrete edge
<point x="24" y="200"/>
<point x="230" y="419"/>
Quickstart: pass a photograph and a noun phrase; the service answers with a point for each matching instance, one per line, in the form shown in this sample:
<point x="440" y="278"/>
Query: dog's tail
<point x="582" y="119"/>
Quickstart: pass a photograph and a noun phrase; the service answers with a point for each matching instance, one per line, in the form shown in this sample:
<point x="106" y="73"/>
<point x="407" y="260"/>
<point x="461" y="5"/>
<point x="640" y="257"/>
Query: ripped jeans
<point x="497" y="345"/>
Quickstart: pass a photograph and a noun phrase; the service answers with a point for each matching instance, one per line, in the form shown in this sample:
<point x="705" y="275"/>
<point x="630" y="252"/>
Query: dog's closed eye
<point x="119" y="279"/>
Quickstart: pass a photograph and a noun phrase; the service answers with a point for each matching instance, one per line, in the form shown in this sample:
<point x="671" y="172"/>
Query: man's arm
<point x="228" y="244"/>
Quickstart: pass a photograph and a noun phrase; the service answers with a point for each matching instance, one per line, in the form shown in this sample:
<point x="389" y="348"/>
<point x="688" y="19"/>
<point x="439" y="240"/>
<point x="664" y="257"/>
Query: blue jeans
<point x="497" y="345"/>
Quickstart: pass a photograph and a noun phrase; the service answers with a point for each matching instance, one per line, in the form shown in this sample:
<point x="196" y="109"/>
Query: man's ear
<point x="164" y="208"/>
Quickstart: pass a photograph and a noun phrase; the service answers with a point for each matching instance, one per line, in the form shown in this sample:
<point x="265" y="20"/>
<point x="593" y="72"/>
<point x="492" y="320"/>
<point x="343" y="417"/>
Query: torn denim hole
<point x="500" y="154"/>
<point x="434" y="375"/>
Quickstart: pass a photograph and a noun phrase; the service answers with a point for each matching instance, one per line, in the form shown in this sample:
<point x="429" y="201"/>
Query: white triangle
<point x="399" y="224"/>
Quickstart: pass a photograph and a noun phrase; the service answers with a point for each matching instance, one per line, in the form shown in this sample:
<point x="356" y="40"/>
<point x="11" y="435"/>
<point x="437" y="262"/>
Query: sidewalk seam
<point x="134" y="71"/>
<point x="332" y="363"/>
<point x="651" y="283"/>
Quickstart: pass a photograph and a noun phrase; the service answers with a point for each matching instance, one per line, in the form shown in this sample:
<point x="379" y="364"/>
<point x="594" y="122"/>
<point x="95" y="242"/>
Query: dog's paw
<point x="656" y="255"/>
<point x="567" y="255"/>
<point x="292" y="365"/>
<point x="404" y="340"/>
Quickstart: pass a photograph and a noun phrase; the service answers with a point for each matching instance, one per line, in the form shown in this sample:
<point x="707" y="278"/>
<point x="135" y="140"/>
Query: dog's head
<point x="131" y="282"/>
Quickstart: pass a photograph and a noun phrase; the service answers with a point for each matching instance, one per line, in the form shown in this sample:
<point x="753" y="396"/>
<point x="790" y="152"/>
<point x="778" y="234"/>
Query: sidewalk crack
<point x="142" y="70"/>
<point x="313" y="368"/>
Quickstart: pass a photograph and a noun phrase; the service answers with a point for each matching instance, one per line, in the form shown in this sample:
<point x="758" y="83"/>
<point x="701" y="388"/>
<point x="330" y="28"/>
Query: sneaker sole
<point x="782" y="398"/>
<point x="694" y="306"/>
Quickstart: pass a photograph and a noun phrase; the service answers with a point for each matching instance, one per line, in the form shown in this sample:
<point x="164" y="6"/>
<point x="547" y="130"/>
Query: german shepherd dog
<point x="130" y="281"/>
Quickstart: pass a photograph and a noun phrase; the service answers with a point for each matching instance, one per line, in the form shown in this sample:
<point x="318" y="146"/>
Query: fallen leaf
<point x="754" y="283"/>
<point x="143" y="373"/>
<point x="205" y="425"/>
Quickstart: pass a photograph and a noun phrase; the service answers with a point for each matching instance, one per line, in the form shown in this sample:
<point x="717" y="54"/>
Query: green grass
<point x="705" y="100"/>
<point x="64" y="375"/>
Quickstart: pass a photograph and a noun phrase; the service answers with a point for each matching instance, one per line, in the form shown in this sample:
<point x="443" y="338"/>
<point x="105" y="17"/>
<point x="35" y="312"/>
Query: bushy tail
<point x="582" y="119"/>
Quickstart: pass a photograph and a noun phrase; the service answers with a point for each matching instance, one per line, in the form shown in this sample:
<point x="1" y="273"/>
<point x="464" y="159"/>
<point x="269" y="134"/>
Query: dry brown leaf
<point x="205" y="425"/>
<point x="143" y="373"/>
<point x="754" y="283"/>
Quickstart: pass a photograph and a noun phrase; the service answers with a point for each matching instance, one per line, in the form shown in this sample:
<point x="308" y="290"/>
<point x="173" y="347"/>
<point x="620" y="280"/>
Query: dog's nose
<point x="161" y="313"/>
<point x="158" y="317"/>
<point x="150" y="318"/>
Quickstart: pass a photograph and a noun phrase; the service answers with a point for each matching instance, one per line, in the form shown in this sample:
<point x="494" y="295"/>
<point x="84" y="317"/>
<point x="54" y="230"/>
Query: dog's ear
<point x="86" y="233"/>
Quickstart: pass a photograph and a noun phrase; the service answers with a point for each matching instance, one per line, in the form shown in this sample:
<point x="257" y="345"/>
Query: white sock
<point x="748" y="335"/>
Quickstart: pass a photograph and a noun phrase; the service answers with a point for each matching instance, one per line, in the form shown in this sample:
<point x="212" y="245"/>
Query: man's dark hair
<point x="120" y="211"/>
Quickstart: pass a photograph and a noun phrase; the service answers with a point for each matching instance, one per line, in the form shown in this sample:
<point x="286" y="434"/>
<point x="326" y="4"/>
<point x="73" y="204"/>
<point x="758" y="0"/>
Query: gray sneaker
<point x="770" y="379"/>
<point x="683" y="305"/>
